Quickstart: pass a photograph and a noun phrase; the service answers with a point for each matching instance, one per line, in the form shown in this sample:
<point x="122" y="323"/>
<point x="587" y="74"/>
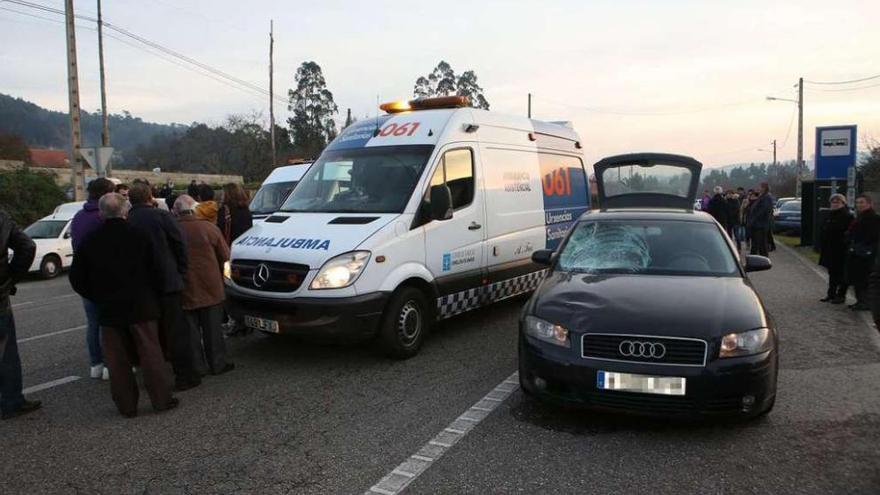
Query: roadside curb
<point x="864" y="316"/>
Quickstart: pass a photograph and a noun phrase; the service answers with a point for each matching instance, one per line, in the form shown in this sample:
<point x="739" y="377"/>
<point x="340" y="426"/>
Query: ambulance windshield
<point x="360" y="180"/>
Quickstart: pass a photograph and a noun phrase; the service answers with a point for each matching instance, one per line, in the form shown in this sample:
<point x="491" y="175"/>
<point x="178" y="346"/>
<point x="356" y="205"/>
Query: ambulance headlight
<point x="227" y="270"/>
<point x="341" y="271"/>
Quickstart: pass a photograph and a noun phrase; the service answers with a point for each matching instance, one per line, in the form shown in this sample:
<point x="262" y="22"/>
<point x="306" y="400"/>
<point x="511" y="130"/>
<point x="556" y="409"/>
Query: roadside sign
<point x="835" y="151"/>
<point x="97" y="158"/>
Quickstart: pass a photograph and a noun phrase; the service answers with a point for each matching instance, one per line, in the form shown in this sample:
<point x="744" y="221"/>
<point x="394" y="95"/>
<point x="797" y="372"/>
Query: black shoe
<point x="226" y="369"/>
<point x="860" y="307"/>
<point x="27" y="406"/>
<point x="181" y="386"/>
<point x="174" y="402"/>
<point x="130" y="415"/>
<point x="826" y="299"/>
<point x="838" y="300"/>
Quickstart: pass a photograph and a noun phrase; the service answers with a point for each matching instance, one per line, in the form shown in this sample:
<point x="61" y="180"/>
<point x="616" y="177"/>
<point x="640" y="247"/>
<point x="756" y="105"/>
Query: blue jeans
<point x="10" y="367"/>
<point x="93" y="333"/>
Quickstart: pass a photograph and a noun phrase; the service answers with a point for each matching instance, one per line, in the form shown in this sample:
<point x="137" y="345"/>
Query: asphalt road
<point x="303" y="418"/>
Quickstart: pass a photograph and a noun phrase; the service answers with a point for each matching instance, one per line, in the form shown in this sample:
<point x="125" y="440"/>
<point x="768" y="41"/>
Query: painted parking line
<point x="865" y="316"/>
<point x="53" y="383"/>
<point x="50" y="334"/>
<point x="42" y="303"/>
<point x="410" y="469"/>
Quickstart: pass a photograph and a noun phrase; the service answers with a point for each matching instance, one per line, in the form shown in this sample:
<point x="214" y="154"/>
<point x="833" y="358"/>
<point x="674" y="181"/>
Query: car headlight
<point x="227" y="270"/>
<point x="341" y="271"/>
<point x="746" y="343"/>
<point x="546" y="331"/>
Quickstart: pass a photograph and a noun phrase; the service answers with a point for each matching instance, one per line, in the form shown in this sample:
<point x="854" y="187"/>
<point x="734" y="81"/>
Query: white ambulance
<point x="413" y="217"/>
<point x="275" y="189"/>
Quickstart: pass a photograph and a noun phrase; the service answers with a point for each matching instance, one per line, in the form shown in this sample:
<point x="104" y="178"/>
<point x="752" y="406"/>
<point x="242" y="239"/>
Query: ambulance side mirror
<point x="441" y="202"/>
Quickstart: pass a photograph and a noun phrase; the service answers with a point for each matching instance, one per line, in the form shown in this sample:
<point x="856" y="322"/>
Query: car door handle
<point x="474" y="226"/>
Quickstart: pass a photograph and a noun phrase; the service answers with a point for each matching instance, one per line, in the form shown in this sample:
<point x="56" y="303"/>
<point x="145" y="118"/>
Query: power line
<point x="240" y="83"/>
<point x="851" y="81"/>
<point x="600" y="110"/>
<point x="844" y="89"/>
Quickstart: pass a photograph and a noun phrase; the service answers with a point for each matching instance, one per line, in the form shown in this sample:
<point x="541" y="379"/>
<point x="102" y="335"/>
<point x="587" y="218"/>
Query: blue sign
<point x="835" y="151"/>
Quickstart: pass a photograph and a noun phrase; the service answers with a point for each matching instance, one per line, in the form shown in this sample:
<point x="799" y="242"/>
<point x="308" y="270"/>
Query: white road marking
<point x="53" y="383"/>
<point x="43" y="302"/>
<point x="51" y="334"/>
<point x="401" y="476"/>
<point x="867" y="319"/>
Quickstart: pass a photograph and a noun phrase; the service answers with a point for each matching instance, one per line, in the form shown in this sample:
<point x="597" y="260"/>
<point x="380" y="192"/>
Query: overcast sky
<point x="660" y="75"/>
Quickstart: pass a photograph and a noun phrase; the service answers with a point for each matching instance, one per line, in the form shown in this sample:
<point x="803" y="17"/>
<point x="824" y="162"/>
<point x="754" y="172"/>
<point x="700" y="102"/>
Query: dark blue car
<point x="788" y="217"/>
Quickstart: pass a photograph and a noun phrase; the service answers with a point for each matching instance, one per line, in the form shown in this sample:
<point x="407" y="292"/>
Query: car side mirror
<point x="543" y="257"/>
<point x="755" y="263"/>
<point x="441" y="202"/>
<point x="67" y="235"/>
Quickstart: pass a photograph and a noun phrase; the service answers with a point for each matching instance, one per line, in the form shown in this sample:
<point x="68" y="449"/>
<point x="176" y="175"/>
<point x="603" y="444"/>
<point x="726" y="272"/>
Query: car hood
<point x="698" y="307"/>
<point x="307" y="238"/>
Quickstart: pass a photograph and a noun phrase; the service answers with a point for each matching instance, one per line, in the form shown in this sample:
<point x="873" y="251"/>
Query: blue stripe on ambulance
<point x="564" y="189"/>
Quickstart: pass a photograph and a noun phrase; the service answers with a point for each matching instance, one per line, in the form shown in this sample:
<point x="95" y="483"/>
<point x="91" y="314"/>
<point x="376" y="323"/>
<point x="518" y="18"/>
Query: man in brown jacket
<point x="203" y="287"/>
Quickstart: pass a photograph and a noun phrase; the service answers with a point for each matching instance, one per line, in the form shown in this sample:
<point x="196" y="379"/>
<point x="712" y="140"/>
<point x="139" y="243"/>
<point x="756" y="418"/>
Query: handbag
<point x="861" y="250"/>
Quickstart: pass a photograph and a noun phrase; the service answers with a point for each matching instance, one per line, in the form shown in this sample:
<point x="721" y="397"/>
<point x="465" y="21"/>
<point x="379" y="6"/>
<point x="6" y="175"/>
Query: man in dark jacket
<point x="758" y="221"/>
<point x="12" y="401"/>
<point x="171" y="259"/>
<point x="833" y="248"/>
<point x="116" y="268"/>
<point x="84" y="223"/>
<point x="718" y="207"/>
<point x="862" y="239"/>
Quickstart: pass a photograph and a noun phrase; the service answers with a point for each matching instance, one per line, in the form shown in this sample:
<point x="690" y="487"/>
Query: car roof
<point x="686" y="215"/>
<point x="287" y="173"/>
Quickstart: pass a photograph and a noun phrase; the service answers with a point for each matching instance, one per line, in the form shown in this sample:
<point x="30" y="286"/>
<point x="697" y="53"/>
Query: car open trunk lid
<point x="647" y="180"/>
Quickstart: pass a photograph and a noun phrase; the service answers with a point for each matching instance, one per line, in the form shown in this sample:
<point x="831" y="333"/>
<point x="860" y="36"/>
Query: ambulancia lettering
<point x="284" y="242"/>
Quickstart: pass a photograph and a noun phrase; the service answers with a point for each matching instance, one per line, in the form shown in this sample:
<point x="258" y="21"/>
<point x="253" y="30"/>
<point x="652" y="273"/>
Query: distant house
<point x="46" y="158"/>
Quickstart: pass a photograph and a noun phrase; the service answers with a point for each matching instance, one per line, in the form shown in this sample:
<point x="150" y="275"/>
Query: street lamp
<point x="800" y="149"/>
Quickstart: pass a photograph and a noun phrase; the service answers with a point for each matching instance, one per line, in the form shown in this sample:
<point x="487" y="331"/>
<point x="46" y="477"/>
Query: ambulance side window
<point x="459" y="166"/>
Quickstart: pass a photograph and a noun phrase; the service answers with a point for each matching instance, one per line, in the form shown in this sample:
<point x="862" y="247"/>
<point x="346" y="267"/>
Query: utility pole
<point x="348" y="118"/>
<point x="272" y="91"/>
<point x="800" y="148"/>
<point x="530" y="105"/>
<point x="76" y="162"/>
<point x="105" y="129"/>
<point x="774" y="152"/>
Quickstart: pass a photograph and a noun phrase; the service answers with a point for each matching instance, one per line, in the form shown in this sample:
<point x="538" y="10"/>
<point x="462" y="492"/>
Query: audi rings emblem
<point x="639" y="349"/>
<point x="261" y="275"/>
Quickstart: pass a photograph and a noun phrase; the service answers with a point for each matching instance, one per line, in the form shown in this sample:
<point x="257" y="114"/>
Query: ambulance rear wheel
<point x="404" y="324"/>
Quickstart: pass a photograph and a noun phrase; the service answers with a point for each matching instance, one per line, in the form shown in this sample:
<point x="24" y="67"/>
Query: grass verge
<point x="794" y="242"/>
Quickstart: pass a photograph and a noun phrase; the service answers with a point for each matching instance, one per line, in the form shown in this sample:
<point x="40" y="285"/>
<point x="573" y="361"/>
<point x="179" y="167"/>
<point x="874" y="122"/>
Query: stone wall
<point x="62" y="176"/>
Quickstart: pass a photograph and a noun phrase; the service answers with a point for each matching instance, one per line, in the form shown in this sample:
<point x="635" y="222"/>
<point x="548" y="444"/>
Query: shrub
<point x="28" y="196"/>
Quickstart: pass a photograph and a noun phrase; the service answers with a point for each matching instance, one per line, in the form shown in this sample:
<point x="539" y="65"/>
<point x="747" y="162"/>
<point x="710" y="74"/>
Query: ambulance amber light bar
<point x="425" y="104"/>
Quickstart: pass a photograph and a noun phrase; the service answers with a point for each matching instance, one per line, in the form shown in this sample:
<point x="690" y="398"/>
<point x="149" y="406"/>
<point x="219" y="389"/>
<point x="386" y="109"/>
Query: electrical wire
<point x="240" y="83"/>
<point x="845" y="89"/>
<point x="851" y="81"/>
<point x="605" y="111"/>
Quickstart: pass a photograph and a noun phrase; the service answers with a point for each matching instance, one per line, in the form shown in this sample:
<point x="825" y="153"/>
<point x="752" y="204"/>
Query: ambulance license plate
<point x="645" y="384"/>
<point x="261" y="324"/>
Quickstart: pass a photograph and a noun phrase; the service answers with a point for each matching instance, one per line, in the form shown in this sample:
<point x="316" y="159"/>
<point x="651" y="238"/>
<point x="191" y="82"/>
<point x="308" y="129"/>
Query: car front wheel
<point x="404" y="324"/>
<point x="50" y="267"/>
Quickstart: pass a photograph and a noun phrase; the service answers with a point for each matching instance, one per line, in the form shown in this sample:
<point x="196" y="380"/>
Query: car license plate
<point x="646" y="384"/>
<point x="261" y="324"/>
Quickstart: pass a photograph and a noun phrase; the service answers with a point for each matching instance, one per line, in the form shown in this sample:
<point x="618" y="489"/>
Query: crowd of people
<point x="747" y="216"/>
<point x="149" y="270"/>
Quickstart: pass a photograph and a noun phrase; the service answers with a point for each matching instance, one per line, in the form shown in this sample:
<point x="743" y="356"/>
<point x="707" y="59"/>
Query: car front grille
<point x="644" y="349"/>
<point x="269" y="276"/>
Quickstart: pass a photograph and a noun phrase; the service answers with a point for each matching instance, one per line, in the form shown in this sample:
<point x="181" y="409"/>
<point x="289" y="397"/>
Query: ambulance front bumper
<point x="342" y="319"/>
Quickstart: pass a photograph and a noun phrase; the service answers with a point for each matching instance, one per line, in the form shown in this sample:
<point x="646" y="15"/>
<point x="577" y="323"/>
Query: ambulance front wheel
<point x="404" y="324"/>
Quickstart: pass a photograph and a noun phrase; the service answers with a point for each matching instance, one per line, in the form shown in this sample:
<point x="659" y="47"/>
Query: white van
<point x="51" y="234"/>
<point x="416" y="216"/>
<point x="276" y="188"/>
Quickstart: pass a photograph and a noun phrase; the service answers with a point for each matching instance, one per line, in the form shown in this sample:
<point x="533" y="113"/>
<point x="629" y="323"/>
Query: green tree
<point x="467" y="86"/>
<point x="28" y="196"/>
<point x="870" y="168"/>
<point x="442" y="81"/>
<point x="312" y="125"/>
